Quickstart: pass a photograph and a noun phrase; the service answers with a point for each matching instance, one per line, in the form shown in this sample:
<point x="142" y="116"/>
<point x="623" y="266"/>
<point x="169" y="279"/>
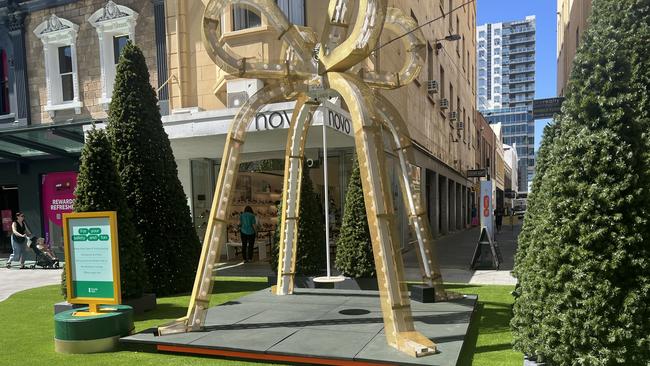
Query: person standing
<point x="474" y="217"/>
<point x="247" y="225"/>
<point x="19" y="236"/>
<point x="498" y="215"/>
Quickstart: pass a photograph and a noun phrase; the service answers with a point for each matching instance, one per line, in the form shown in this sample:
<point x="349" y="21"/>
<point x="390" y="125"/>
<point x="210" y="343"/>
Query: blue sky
<point x="494" y="11"/>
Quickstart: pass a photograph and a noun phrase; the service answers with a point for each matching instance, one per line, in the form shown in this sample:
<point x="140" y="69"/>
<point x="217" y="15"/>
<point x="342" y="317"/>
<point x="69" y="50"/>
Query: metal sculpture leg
<point x="293" y="170"/>
<point x="395" y="303"/>
<point x="215" y="234"/>
<point x="418" y="219"/>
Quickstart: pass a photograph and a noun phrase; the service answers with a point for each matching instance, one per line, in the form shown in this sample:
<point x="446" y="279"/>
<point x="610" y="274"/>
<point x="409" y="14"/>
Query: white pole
<point x="327" y="201"/>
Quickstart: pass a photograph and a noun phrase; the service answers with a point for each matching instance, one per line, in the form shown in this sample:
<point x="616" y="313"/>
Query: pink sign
<point x="57" y="198"/>
<point x="6" y="220"/>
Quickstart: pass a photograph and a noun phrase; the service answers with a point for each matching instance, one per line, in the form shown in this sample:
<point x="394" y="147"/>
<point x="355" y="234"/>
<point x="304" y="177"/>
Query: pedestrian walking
<point x="498" y="216"/>
<point x="474" y="217"/>
<point x="248" y="232"/>
<point x="19" y="234"/>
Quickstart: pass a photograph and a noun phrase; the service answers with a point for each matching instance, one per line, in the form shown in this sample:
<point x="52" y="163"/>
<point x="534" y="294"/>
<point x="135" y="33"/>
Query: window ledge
<point x="7" y="118"/>
<point x="105" y="103"/>
<point x="243" y="33"/>
<point x="52" y="108"/>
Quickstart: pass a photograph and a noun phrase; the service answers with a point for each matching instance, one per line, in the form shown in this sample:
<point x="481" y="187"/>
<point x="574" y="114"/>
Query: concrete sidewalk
<point x="15" y="280"/>
<point x="454" y="252"/>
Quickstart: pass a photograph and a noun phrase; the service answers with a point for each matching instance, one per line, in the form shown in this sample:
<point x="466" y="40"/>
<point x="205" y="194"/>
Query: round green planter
<point x="90" y="334"/>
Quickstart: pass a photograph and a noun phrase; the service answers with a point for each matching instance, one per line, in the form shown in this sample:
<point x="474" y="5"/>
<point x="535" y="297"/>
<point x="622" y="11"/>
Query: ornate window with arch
<point x="115" y="25"/>
<point x="59" y="38"/>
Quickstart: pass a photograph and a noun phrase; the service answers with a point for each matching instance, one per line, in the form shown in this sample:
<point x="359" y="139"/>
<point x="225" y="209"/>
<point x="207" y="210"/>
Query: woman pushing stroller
<point x="19" y="235"/>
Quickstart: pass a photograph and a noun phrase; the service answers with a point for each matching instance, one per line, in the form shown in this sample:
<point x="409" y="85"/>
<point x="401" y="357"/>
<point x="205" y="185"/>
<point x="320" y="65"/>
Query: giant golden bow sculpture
<point x="309" y="73"/>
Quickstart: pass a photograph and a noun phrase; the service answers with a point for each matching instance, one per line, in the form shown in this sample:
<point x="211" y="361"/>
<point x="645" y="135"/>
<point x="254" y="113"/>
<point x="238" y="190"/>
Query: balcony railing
<point x="520" y="60"/>
<point x="522" y="80"/>
<point x="522" y="50"/>
<point x="521" y="30"/>
<point x="521" y="70"/>
<point x="522" y="90"/>
<point x="521" y="40"/>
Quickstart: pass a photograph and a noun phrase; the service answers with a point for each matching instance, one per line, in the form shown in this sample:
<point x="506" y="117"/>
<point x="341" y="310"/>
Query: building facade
<point x="506" y="86"/>
<point x="572" y="16"/>
<point x="73" y="47"/>
<point x="59" y="59"/>
<point x="440" y="118"/>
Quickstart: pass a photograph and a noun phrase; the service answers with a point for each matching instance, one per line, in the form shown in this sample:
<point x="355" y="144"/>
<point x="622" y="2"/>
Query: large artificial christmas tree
<point x="584" y="265"/>
<point x="354" y="256"/>
<point x="310" y="257"/>
<point x="149" y="176"/>
<point x="99" y="189"/>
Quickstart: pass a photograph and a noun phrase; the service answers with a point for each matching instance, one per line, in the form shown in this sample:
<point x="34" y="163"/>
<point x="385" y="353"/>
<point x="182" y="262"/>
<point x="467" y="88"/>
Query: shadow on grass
<point x="177" y="309"/>
<point x="469" y="346"/>
<point x="162" y="311"/>
<point x="222" y="287"/>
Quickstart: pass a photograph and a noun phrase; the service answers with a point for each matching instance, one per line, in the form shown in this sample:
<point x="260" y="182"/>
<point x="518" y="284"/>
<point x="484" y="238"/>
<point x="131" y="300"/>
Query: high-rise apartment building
<point x="506" y="86"/>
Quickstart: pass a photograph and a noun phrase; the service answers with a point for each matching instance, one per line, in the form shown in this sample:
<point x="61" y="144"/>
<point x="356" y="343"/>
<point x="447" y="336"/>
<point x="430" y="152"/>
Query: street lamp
<point x="451" y="37"/>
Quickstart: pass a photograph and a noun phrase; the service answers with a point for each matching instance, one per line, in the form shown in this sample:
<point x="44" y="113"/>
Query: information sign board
<point x="476" y="173"/>
<point x="92" y="258"/>
<point x="546" y="108"/>
<point x="486" y="212"/>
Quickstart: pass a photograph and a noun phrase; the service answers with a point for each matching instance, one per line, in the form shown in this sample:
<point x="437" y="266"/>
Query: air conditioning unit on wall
<point x="444" y="103"/>
<point x="239" y="90"/>
<point x="432" y="87"/>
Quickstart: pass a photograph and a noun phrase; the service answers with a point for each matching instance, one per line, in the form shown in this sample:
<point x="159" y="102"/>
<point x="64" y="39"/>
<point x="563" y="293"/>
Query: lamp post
<point x="450" y="38"/>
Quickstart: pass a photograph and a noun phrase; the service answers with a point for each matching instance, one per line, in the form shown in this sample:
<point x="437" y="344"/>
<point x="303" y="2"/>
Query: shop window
<point x="115" y="26"/>
<point x="4" y="84"/>
<point x="59" y="38"/>
<point x="244" y="18"/>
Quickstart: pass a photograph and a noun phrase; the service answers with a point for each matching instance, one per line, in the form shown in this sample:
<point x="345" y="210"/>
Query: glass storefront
<point x="259" y="185"/>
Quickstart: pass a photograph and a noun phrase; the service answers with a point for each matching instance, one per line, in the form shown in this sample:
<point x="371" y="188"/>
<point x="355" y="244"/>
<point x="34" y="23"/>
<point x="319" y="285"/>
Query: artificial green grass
<point x="488" y="342"/>
<point x="27" y="335"/>
<point x="28" y="328"/>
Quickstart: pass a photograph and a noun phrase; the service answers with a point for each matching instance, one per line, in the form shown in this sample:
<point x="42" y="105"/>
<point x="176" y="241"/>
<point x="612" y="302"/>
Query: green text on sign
<point x="97" y="289"/>
<point x="83" y="231"/>
<point x="79" y="237"/>
<point x="95" y="230"/>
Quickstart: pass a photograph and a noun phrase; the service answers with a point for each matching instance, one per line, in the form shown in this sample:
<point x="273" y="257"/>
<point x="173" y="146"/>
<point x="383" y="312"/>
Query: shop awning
<point x="62" y="140"/>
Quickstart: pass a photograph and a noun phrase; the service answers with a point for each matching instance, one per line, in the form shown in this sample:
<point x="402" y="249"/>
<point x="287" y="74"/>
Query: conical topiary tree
<point x="310" y="257"/>
<point x="584" y="270"/>
<point x="149" y="176"/>
<point x="354" y="256"/>
<point x="99" y="189"/>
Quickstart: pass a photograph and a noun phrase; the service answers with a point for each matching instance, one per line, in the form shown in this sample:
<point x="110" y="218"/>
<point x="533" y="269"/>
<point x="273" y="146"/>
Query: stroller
<point x="42" y="259"/>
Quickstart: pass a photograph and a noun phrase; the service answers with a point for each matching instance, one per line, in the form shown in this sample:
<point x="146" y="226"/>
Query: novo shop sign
<point x="331" y="115"/>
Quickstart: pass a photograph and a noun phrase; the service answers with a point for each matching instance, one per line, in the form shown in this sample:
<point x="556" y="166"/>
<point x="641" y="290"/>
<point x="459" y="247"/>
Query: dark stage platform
<point x="317" y="326"/>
